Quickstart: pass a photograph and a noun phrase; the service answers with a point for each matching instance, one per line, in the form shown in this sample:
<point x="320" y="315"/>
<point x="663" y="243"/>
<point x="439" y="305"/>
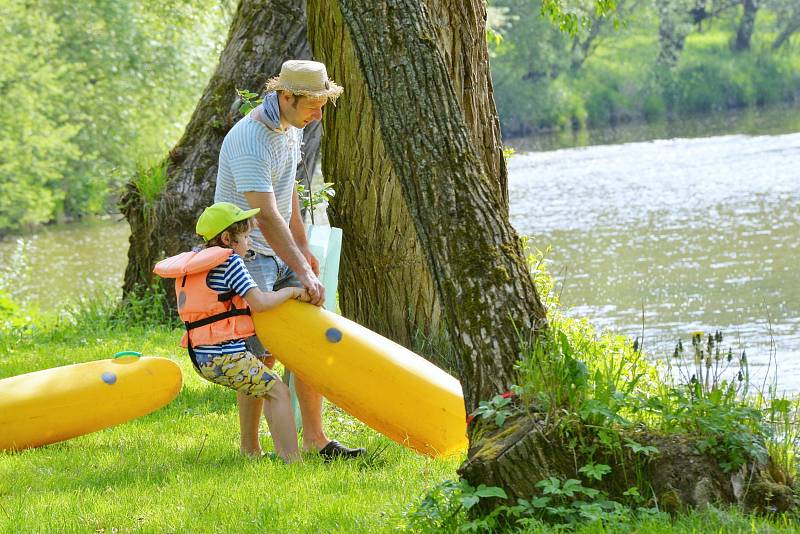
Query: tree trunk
<point x="526" y="450"/>
<point x="261" y="37"/>
<point x="790" y="29"/>
<point x="583" y="48"/>
<point x="747" y="24"/>
<point x="459" y="213"/>
<point x="386" y="284"/>
<point x="675" y="23"/>
<point x="473" y="253"/>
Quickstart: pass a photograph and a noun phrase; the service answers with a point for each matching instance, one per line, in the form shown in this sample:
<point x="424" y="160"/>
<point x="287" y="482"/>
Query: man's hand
<point x="311" y="259"/>
<point x="316" y="291"/>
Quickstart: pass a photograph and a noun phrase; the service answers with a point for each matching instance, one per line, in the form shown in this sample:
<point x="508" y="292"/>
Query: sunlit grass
<point x="179" y="470"/>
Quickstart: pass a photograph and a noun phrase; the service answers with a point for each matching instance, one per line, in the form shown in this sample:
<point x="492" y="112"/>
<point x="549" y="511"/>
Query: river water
<point x="696" y="229"/>
<point x="661" y="238"/>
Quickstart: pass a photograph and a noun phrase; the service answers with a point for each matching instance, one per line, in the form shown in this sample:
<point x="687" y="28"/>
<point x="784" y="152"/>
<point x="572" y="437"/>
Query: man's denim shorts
<point x="271" y="274"/>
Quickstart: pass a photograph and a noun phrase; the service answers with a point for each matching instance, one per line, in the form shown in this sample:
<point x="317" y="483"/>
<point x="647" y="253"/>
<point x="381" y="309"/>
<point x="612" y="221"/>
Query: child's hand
<point x="301" y="294"/>
<point x="268" y="360"/>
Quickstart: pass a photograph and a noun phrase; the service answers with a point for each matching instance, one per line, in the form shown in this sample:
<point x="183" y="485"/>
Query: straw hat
<point x="307" y="78"/>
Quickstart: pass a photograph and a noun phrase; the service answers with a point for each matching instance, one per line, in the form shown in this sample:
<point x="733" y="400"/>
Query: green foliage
<point x="36" y="140"/>
<point x="497" y="409"/>
<point x="249" y="101"/>
<point x="90" y="88"/>
<point x="440" y="510"/>
<point x="311" y="199"/>
<point x="97" y="314"/>
<point x="567" y="373"/>
<point x="493" y="37"/>
<point x="446" y="508"/>
<point x="524" y="66"/>
<point x="12" y="315"/>
<point x="564" y="65"/>
<point x="570" y="502"/>
<point x="150" y="180"/>
<point x="595" y="471"/>
<point x="559" y="504"/>
<point x="715" y="79"/>
<point x="569" y="18"/>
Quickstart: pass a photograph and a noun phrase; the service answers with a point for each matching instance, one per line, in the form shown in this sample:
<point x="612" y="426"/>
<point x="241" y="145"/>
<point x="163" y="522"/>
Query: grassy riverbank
<point x="178" y="469"/>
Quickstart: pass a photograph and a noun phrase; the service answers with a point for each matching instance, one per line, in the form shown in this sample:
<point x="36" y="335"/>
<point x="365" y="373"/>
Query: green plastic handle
<point x="128" y="353"/>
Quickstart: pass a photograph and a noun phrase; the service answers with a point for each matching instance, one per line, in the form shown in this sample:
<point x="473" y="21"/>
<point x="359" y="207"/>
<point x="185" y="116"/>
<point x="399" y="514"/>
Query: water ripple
<point x="699" y="234"/>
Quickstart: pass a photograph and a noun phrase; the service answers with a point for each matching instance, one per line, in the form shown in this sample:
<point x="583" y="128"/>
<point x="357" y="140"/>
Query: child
<point x="215" y="294"/>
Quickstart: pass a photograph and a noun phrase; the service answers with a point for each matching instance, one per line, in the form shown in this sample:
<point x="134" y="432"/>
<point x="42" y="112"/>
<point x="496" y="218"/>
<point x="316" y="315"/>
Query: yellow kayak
<point x="383" y="384"/>
<point x="63" y="402"/>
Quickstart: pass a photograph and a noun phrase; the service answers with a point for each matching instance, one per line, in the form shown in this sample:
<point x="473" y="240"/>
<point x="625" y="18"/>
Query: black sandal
<point x="334" y="450"/>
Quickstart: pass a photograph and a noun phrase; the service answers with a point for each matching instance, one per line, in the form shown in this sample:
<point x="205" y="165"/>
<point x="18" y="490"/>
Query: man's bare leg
<point x="310" y="401"/>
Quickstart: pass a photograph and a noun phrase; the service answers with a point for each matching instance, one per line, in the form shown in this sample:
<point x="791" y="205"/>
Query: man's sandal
<point x="334" y="450"/>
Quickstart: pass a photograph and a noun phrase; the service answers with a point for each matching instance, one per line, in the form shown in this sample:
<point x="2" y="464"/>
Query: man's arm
<point x="282" y="240"/>
<point x="298" y="230"/>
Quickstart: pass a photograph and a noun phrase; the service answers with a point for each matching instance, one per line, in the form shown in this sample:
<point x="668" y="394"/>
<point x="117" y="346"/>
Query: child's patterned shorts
<point x="241" y="371"/>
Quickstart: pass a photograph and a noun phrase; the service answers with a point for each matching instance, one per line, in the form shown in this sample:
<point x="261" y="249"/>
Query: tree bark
<point x="261" y="37"/>
<point x="459" y="213"/>
<point x="675" y="23"/>
<point x="678" y="477"/>
<point x="747" y="25"/>
<point x="789" y="30"/>
<point x="583" y="48"/>
<point x="385" y="282"/>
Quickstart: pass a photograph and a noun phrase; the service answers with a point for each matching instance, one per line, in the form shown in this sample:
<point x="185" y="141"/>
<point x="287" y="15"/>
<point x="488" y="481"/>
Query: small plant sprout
<point x="249" y="101"/>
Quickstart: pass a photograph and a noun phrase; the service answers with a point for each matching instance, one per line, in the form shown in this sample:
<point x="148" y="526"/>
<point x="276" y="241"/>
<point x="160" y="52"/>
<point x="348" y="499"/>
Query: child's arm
<point x="264" y="300"/>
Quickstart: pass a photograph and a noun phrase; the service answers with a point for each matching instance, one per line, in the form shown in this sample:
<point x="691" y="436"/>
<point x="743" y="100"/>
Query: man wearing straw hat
<point x="257" y="168"/>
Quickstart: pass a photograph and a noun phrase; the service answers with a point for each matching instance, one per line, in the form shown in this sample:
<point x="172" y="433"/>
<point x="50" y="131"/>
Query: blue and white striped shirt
<point x="254" y="158"/>
<point x="230" y="275"/>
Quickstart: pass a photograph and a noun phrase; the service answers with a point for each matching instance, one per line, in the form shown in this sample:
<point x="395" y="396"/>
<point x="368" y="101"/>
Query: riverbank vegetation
<point x="178" y="469"/>
<point x="91" y="89"/>
<point x="639" y="62"/>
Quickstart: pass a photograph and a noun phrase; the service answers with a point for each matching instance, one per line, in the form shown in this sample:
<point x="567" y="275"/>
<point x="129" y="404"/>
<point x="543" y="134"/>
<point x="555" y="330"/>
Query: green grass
<point x="150" y="180"/>
<point x="179" y="470"/>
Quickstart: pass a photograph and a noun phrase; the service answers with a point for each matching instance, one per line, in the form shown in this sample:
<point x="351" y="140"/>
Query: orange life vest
<point x="210" y="317"/>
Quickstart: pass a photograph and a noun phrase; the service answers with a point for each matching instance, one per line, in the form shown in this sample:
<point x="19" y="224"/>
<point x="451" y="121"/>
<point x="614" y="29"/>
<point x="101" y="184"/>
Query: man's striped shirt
<point x="254" y="158"/>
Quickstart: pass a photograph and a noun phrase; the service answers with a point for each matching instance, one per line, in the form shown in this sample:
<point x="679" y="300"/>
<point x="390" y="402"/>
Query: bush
<point x="709" y="87"/>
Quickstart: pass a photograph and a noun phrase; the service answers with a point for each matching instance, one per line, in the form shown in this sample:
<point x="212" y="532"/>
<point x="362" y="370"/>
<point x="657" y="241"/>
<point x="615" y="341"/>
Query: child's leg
<point x="254" y="383"/>
<point x="278" y="412"/>
<point x="249" y="417"/>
